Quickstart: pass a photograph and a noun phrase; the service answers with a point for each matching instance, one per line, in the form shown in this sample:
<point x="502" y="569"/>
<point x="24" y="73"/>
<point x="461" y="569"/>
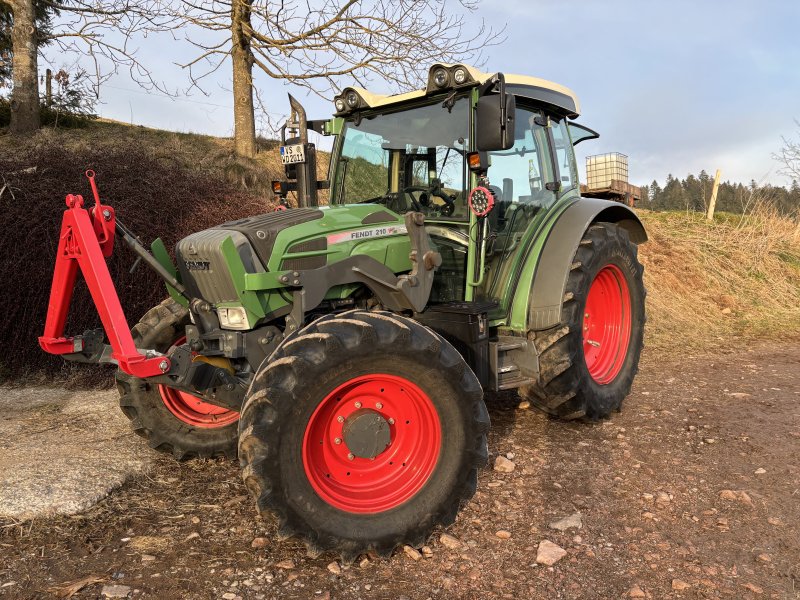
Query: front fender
<point x="541" y="307"/>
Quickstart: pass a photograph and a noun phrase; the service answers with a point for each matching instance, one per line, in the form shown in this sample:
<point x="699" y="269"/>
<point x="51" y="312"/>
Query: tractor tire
<point x="587" y="363"/>
<point x="364" y="432"/>
<point x="172" y="421"/>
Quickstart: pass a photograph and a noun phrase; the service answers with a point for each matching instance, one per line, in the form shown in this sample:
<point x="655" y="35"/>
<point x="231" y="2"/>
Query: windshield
<point x="408" y="160"/>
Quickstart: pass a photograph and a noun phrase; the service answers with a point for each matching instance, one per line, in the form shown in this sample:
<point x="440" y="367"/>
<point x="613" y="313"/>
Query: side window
<point x="363" y="165"/>
<point x="519" y="175"/>
<point x="564" y="156"/>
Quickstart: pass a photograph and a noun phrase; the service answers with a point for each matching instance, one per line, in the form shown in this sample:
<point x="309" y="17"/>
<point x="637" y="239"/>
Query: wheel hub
<point x="366" y="433"/>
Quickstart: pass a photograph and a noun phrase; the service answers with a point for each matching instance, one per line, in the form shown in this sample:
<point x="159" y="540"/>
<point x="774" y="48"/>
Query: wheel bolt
<point x="391" y="421"/>
<point x="350" y="456"/>
<point x="340" y="418"/>
<point x="337" y="441"/>
<point x="358" y="404"/>
<point x="378" y="405"/>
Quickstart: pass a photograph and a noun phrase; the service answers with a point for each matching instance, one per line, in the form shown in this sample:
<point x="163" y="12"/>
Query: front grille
<point x="309" y="262"/>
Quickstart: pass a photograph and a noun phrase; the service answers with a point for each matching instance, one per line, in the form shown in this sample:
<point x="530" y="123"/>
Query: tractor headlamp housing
<point x="348" y="101"/>
<point x="481" y="201"/>
<point x="442" y="77"/>
<point x="233" y="318"/>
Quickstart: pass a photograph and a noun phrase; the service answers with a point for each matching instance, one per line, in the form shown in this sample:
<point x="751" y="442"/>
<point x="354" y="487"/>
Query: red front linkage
<point x="86" y="240"/>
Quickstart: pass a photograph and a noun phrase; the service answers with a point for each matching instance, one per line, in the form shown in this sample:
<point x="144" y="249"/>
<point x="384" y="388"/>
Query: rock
<point x="450" y="542"/>
<point x="737" y="496"/>
<point x="709" y="440"/>
<point x="774" y="521"/>
<point x="195" y="520"/>
<point x="115" y="591"/>
<point x="427" y="551"/>
<point x="524" y="405"/>
<point x="285" y="564"/>
<point x="335" y="568"/>
<point x="503" y="465"/>
<point x="192" y="536"/>
<point x="764" y="557"/>
<point x="726" y="311"/>
<point x="503" y="534"/>
<point x="148" y="557"/>
<point x="636" y="592"/>
<point x="753" y="588"/>
<point x="663" y="498"/>
<point x="412" y="553"/>
<point x="574" y="521"/>
<point x="259" y="542"/>
<point x="759" y="471"/>
<point x="680" y="585"/>
<point x="228" y="596"/>
<point x="364" y="563"/>
<point x="549" y="553"/>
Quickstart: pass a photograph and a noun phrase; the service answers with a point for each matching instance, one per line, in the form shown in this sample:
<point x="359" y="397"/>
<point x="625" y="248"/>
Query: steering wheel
<point x="449" y="202"/>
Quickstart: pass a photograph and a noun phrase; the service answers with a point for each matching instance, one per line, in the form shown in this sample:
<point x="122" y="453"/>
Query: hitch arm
<point x="85" y="241"/>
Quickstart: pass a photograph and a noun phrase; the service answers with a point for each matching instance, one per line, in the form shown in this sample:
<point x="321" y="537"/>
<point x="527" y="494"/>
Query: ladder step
<point x="510" y="384"/>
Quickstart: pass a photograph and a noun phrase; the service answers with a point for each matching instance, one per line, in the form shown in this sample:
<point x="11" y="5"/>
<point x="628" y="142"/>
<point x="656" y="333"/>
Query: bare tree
<point x="789" y="156"/>
<point x="316" y="43"/>
<point x="102" y="30"/>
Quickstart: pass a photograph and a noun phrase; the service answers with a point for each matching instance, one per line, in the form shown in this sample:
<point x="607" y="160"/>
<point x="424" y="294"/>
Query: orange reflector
<point x="277" y="187"/>
<point x="474" y="160"/>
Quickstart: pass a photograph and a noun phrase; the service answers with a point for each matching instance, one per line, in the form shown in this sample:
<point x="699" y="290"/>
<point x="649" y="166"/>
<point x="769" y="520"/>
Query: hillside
<point x="708" y="284"/>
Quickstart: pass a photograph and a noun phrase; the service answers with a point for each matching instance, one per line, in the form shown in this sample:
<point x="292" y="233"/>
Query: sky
<point x="678" y="86"/>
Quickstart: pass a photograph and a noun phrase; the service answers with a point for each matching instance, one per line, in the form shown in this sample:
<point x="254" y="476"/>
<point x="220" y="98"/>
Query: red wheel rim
<point x="369" y="485"/>
<point x="607" y="324"/>
<point x="192" y="410"/>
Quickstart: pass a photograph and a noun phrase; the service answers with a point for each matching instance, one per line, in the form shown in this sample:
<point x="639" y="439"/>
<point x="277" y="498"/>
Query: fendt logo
<point x="197" y="265"/>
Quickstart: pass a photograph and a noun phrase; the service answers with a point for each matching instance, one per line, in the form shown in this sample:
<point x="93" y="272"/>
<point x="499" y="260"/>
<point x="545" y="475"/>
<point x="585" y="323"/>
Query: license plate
<point x="293" y="154"/>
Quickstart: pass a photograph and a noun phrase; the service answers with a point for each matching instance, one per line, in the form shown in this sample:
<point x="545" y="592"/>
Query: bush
<point x="154" y="194"/>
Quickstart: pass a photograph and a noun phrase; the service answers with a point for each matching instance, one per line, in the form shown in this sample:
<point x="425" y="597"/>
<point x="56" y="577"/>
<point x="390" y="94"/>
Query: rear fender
<point x="540" y="306"/>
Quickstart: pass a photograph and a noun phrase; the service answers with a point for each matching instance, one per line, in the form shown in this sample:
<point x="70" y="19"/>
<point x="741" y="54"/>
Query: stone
<point x="335" y="568"/>
<point x="549" y="553"/>
<point x="115" y="591"/>
<point x="192" y="536"/>
<point x="636" y="592"/>
<point x="259" y="542"/>
<point x="412" y="553"/>
<point x="285" y="564"/>
<point x="753" y="588"/>
<point x="759" y="471"/>
<point x="764" y="557"/>
<point x="228" y="596"/>
<point x="663" y="498"/>
<point x="195" y="520"/>
<point x="680" y="585"/>
<point x="574" y="521"/>
<point x="427" y="551"/>
<point x="364" y="563"/>
<point x="450" y="542"/>
<point x="503" y="534"/>
<point x="503" y="465"/>
<point x="736" y="495"/>
<point x="524" y="405"/>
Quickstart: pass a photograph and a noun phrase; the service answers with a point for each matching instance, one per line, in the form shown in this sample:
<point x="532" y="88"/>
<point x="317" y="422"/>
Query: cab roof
<point x="558" y="97"/>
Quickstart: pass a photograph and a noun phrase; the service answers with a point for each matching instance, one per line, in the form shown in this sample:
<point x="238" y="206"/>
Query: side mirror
<point x="494" y="117"/>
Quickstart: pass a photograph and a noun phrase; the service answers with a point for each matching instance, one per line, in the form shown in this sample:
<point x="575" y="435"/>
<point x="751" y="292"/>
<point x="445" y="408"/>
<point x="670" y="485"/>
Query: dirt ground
<point x="693" y="491"/>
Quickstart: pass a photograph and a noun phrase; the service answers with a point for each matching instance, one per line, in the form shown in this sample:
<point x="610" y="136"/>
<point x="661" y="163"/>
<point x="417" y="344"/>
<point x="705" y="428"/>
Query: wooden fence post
<point x="713" y="202"/>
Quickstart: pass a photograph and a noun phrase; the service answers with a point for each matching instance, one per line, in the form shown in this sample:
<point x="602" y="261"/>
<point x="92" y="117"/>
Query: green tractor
<point x="342" y="351"/>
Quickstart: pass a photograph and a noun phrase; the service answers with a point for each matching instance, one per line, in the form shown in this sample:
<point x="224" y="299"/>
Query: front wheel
<point x="587" y="363"/>
<point x="171" y="420"/>
<point x="363" y="433"/>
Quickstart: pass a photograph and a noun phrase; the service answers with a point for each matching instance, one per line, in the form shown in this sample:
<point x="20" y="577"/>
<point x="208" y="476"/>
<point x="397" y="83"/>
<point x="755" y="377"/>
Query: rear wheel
<point x="588" y="362"/>
<point x="364" y="433"/>
<point x="171" y="420"/>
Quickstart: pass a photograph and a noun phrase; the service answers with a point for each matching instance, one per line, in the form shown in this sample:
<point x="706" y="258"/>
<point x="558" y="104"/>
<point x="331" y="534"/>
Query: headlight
<point x="440" y="77"/>
<point x="233" y="318"/>
<point x="339" y="103"/>
<point x="481" y="201"/>
<point x="459" y="76"/>
<point x="352" y="99"/>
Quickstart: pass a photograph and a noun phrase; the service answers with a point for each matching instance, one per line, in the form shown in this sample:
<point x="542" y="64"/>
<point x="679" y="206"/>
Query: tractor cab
<point x="426" y="150"/>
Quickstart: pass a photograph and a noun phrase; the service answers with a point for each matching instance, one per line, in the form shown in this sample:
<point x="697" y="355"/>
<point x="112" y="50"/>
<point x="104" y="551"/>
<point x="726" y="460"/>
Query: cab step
<point x="512" y="363"/>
